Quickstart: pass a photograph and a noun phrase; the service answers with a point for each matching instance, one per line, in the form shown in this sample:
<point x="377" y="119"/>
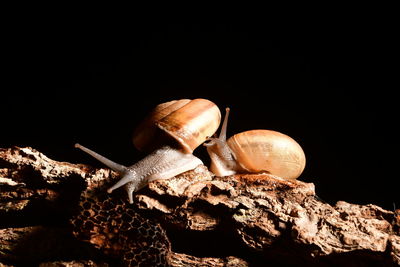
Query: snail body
<point x="171" y="132"/>
<point x="255" y="151"/>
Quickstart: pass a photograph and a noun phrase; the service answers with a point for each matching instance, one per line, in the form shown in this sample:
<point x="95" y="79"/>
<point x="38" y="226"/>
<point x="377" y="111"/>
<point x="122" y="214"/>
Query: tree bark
<point x="241" y="220"/>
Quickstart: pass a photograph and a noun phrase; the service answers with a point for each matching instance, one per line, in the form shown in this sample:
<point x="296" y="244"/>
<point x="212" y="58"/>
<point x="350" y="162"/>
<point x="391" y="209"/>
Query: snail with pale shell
<point x="255" y="151"/>
<point x="171" y="131"/>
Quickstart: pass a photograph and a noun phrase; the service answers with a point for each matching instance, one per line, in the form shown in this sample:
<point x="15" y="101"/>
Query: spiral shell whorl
<point x="186" y="122"/>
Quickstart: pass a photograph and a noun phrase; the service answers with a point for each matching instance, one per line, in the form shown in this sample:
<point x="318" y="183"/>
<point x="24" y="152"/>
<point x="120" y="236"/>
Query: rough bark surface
<point x="242" y="220"/>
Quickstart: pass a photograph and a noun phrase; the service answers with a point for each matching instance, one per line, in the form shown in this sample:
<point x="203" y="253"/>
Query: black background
<point x="325" y="80"/>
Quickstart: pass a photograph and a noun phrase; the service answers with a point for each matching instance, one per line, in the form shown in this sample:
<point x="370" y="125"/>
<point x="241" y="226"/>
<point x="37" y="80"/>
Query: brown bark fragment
<point x="230" y="221"/>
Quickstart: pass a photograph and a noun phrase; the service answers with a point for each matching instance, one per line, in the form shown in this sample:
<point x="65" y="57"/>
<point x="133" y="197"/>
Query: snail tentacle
<point x="223" y="161"/>
<point x="222" y="134"/>
<point x="111" y="164"/>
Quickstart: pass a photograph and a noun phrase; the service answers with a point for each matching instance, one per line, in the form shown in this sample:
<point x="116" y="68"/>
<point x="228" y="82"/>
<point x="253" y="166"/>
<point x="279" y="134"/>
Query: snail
<point x="171" y="132"/>
<point x="255" y="151"/>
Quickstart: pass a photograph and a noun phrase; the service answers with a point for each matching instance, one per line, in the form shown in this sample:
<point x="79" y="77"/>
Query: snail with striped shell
<point x="171" y="131"/>
<point x="255" y="151"/>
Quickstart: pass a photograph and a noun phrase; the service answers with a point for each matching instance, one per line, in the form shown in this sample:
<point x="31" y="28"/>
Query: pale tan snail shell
<point x="255" y="151"/>
<point x="171" y="131"/>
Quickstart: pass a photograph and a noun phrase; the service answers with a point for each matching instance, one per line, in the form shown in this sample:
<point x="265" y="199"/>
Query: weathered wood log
<point x="242" y="220"/>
